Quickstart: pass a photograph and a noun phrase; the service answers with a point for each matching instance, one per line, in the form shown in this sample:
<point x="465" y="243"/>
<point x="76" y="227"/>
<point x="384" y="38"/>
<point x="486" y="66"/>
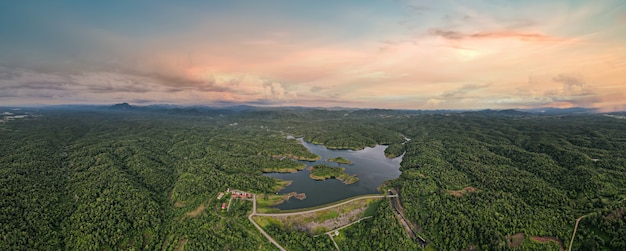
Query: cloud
<point x="98" y="87"/>
<point x="418" y="9"/>
<point x="502" y="34"/>
<point x="573" y="85"/>
<point x="264" y="56"/>
<point x="315" y="89"/>
<point x="462" y="91"/>
<point x="277" y="91"/>
<point x="433" y="102"/>
<point x="574" y="91"/>
<point x="5" y="74"/>
<point x="458" y="97"/>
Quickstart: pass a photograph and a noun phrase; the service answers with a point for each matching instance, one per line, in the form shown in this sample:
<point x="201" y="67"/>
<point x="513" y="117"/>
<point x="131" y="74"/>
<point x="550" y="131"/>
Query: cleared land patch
<point x="320" y="221"/>
<point x="516" y="240"/>
<point x="197" y="211"/>
<point x="545" y="239"/>
<point x="464" y="191"/>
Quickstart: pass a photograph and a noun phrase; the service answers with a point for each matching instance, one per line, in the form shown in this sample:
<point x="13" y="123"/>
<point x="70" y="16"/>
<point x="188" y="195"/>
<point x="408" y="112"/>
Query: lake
<point x="370" y="165"/>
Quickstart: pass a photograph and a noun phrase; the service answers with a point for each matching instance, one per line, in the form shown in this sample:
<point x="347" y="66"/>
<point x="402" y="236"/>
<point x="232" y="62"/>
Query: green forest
<point x="322" y="172"/>
<point x="340" y="160"/>
<point x="148" y="179"/>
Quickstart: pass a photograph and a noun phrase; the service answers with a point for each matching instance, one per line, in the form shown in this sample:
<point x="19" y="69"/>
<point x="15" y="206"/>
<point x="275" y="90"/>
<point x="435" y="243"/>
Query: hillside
<point x="147" y="179"/>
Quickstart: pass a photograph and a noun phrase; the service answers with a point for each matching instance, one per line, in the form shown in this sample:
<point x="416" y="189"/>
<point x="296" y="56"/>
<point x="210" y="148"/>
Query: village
<point x="234" y="194"/>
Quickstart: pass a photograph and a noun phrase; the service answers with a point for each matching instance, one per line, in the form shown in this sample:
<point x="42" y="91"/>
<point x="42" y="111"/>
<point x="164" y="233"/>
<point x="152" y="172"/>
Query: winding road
<point x="259" y="227"/>
<point x="571" y="242"/>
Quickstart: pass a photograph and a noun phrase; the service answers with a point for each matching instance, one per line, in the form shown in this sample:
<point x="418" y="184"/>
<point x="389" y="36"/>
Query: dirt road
<point x="259" y="227"/>
<point x="571" y="242"/>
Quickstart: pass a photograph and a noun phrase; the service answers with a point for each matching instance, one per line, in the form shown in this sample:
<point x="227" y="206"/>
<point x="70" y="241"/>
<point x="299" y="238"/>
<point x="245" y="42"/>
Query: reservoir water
<point x="370" y="165"/>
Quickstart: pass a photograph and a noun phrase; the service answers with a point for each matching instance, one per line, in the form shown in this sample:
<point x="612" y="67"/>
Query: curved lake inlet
<point x="370" y="165"/>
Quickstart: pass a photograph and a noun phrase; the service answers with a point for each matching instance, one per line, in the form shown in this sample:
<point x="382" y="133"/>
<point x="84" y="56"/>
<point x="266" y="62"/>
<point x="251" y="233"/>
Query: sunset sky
<point x="365" y="54"/>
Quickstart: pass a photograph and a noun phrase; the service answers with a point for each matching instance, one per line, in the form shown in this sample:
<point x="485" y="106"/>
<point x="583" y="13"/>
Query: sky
<point x="397" y="54"/>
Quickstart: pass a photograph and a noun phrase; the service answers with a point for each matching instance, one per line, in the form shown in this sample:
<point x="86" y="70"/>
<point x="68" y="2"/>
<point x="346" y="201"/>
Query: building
<point x="223" y="206"/>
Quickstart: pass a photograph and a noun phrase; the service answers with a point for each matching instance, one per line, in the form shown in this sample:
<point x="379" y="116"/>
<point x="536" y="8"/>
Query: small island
<point x="340" y="160"/>
<point x="323" y="172"/>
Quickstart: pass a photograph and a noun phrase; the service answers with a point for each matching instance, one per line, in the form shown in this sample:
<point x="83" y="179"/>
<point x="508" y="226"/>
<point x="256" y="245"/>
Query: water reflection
<point x="369" y="164"/>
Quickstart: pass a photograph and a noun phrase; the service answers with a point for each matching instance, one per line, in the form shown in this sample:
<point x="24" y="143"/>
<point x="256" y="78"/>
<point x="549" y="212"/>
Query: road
<point x="259" y="227"/>
<point x="328" y="207"/>
<point x="571" y="242"/>
<point x="334" y="242"/>
<point x="403" y="220"/>
<point x="305" y="212"/>
<point x="330" y="233"/>
<point x="345" y="226"/>
<point x="574" y="233"/>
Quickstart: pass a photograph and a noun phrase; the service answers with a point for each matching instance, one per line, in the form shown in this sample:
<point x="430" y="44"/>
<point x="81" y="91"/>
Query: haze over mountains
<point x="238" y="108"/>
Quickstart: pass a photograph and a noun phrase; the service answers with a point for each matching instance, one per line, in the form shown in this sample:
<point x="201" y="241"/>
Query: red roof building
<point x="223" y="206"/>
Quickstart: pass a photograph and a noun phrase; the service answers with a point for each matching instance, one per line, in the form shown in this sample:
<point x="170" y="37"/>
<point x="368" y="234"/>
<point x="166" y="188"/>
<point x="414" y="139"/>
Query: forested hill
<point x="98" y="178"/>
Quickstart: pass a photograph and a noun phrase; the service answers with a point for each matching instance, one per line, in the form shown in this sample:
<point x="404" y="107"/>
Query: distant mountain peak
<point x="122" y="106"/>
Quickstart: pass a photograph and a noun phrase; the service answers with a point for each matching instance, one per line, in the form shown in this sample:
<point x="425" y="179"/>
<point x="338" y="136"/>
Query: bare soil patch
<point x="516" y="240"/>
<point x="181" y="245"/>
<point x="197" y="211"/>
<point x="179" y="204"/>
<point x="545" y="239"/>
<point x="300" y="196"/>
<point x="325" y="220"/>
<point x="341" y="220"/>
<point x="465" y="190"/>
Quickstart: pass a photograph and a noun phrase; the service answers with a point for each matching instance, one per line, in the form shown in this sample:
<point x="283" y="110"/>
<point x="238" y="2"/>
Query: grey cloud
<point x="316" y="89"/>
<point x="36" y="93"/>
<point x="575" y="90"/>
<point x="111" y="89"/>
<point x="463" y="90"/>
<point x="418" y="9"/>
<point x="448" y="34"/>
<point x="40" y="85"/>
<point x="5" y="94"/>
<point x="507" y="33"/>
<point x="175" y="83"/>
<point x="6" y="74"/>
